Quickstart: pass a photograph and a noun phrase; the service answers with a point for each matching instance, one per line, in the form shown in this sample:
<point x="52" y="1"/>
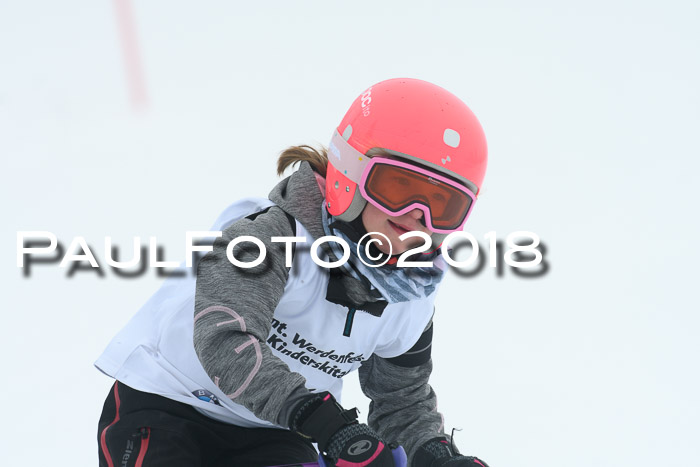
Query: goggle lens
<point x="396" y="188"/>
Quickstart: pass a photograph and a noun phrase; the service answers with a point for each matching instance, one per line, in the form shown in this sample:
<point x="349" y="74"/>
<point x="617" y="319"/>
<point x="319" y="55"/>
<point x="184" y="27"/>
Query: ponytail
<point x="294" y="154"/>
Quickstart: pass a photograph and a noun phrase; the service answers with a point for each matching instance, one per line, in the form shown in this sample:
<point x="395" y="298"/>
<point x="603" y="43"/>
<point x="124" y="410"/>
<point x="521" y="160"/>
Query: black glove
<point x="438" y="453"/>
<point x="339" y="436"/>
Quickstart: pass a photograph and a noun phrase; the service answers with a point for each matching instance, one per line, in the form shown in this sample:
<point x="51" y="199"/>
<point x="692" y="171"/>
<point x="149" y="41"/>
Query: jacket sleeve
<point x="403" y="406"/>
<point x="233" y="316"/>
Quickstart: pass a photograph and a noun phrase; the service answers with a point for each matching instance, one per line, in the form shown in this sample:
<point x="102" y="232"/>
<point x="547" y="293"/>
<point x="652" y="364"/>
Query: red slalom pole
<point x="130" y="50"/>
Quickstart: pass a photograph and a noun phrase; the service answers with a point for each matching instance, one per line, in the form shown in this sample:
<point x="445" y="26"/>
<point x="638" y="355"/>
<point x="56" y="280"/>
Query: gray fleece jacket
<point x="403" y="407"/>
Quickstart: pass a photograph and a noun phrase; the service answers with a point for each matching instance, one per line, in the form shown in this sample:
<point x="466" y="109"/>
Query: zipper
<point x="145" y="434"/>
<point x="348" y="322"/>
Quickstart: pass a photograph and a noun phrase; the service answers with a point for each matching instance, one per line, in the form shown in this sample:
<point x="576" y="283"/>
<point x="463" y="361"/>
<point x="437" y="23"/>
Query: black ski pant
<point x="138" y="429"/>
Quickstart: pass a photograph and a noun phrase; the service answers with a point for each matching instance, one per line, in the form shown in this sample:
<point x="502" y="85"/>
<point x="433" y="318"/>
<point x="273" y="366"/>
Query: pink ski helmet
<point x="410" y="119"/>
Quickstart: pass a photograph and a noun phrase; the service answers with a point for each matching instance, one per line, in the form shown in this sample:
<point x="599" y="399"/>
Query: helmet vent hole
<point x="451" y="138"/>
<point x="347" y="132"/>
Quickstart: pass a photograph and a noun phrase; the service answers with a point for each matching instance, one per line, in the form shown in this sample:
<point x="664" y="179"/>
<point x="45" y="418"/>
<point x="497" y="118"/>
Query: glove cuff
<point x="346" y="437"/>
<point x="319" y="417"/>
<point x="439" y="452"/>
<point x="437" y="448"/>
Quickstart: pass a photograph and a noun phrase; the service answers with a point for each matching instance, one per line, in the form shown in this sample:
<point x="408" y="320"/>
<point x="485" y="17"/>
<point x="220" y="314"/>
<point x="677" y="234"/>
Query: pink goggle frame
<point x="415" y="202"/>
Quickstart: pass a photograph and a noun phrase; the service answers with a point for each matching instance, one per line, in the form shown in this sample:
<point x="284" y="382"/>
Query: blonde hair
<point x="318" y="158"/>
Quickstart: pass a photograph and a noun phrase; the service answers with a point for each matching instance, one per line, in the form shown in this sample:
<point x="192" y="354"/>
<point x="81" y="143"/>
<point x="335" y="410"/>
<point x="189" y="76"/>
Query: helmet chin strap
<point x="354" y="229"/>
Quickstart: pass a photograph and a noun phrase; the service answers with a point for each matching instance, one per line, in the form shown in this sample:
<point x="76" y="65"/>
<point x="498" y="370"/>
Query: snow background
<point x="592" y="119"/>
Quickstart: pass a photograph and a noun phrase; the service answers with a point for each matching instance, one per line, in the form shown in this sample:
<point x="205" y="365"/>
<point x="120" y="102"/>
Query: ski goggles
<point x="396" y="187"/>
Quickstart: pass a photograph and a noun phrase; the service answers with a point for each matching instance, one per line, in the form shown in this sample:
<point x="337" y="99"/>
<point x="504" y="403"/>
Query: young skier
<point x="243" y="365"/>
